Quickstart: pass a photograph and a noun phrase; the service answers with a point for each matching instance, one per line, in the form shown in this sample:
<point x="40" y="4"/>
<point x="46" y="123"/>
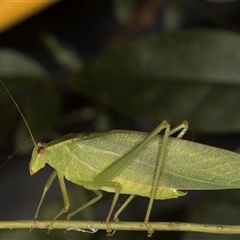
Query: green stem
<point x="127" y="226"/>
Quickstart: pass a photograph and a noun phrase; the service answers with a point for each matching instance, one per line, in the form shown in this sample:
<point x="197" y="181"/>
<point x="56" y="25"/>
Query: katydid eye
<point x="41" y="150"/>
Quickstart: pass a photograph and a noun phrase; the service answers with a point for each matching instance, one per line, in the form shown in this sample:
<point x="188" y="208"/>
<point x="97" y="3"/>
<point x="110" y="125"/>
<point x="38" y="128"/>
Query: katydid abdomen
<point x="187" y="165"/>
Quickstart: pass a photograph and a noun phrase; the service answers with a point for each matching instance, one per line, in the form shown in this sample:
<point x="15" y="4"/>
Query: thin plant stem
<point x="93" y="226"/>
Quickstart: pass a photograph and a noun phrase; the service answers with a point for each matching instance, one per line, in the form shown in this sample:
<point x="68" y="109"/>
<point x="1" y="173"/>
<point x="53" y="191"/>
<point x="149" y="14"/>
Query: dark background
<point x="87" y="30"/>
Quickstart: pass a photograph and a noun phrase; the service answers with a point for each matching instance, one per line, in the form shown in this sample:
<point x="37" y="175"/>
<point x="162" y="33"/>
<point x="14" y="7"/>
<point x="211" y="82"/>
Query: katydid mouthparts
<point x="134" y="163"/>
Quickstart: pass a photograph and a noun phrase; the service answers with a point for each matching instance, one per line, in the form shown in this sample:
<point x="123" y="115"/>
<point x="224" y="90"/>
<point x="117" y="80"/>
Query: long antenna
<point x="25" y="121"/>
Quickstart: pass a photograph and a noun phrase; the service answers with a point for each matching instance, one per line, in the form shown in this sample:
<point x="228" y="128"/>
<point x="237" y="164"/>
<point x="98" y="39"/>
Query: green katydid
<point x="133" y="163"/>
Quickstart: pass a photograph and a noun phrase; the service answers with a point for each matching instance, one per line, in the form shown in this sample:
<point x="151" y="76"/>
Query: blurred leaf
<point x="216" y="207"/>
<point x="63" y="53"/>
<point x="191" y="75"/>
<point x="14" y="64"/>
<point x="33" y="91"/>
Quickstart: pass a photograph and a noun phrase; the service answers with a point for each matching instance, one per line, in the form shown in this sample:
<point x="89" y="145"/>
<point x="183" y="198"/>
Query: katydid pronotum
<point x="133" y="163"/>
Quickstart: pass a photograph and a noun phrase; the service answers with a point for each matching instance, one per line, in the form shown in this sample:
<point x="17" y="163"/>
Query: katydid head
<point x="39" y="158"/>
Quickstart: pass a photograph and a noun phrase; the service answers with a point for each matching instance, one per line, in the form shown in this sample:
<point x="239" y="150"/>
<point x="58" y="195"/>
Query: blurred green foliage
<point x="175" y="76"/>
